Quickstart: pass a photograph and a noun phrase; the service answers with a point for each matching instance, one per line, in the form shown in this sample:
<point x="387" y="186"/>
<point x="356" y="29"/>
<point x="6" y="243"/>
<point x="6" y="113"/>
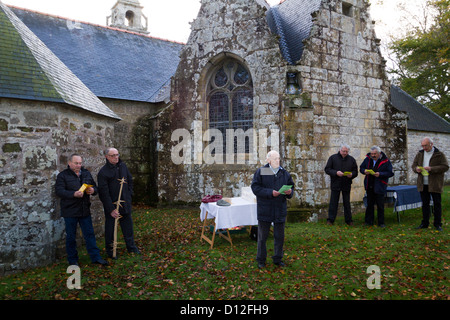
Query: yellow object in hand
<point x="85" y="186"/>
<point x="423" y="171"/>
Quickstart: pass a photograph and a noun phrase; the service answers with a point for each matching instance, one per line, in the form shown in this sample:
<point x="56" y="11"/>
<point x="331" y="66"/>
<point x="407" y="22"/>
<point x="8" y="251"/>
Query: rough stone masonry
<point x="343" y="97"/>
<point x="36" y="139"/>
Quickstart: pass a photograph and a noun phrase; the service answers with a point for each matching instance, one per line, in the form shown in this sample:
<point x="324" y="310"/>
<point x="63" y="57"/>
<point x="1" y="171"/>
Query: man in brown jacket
<point x="430" y="164"/>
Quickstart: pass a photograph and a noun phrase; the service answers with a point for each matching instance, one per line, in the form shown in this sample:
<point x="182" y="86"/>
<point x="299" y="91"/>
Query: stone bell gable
<point x="305" y="76"/>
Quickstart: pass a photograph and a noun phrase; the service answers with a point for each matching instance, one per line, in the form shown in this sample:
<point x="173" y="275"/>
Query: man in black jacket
<point x="109" y="188"/>
<point x="342" y="169"/>
<point x="271" y="206"/>
<point x="75" y="208"/>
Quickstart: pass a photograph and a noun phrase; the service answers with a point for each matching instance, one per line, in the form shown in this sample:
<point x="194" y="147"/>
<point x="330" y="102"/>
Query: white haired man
<point x="271" y="206"/>
<point x="342" y="169"/>
<point x="377" y="169"/>
<point x="430" y="164"/>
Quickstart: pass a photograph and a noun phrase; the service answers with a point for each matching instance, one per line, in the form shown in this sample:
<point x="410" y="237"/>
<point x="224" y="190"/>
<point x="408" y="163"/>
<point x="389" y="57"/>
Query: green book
<point x="284" y="188"/>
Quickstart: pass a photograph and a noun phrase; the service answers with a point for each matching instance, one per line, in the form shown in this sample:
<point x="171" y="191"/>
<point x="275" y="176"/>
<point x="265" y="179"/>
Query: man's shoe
<point x="261" y="265"/>
<point x="102" y="262"/>
<point x="279" y="264"/>
<point x="439" y="228"/>
<point x="110" y="256"/>
<point x="422" y="227"/>
<point x="382" y="226"/>
<point x="329" y="223"/>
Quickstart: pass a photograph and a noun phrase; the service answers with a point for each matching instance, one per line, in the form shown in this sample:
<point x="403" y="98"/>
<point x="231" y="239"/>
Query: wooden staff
<point x="118" y="205"/>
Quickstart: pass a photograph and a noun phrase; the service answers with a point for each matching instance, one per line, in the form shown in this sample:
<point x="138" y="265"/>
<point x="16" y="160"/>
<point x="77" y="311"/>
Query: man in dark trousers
<point x="75" y="208"/>
<point x="342" y="169"/>
<point x="109" y="188"/>
<point x="271" y="206"/>
<point x="430" y="164"/>
<point x="377" y="169"/>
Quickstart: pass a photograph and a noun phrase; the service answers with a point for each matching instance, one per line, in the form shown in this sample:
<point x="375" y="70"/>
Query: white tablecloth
<point x="241" y="212"/>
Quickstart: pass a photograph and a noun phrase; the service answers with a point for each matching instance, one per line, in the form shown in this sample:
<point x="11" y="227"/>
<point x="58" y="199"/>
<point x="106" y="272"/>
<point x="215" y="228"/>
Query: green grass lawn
<point x="323" y="262"/>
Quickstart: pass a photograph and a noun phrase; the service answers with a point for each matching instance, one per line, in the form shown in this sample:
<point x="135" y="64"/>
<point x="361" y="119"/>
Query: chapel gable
<point x="318" y="80"/>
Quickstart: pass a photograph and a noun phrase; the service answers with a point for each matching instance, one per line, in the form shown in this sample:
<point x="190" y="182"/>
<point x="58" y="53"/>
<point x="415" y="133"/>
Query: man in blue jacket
<point x="75" y="208"/>
<point x="271" y="206"/>
<point x="377" y="169"/>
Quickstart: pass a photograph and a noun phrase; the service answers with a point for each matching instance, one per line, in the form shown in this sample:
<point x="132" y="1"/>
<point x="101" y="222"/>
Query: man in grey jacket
<point x="430" y="164"/>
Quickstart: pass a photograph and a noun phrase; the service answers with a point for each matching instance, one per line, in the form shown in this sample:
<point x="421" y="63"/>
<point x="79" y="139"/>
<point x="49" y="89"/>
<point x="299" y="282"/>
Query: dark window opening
<point x="293" y="83"/>
<point x="347" y="9"/>
<point x="130" y="18"/>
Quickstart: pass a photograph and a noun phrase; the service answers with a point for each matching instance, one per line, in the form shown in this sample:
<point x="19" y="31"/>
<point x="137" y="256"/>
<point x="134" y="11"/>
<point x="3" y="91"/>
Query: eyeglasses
<point x="113" y="155"/>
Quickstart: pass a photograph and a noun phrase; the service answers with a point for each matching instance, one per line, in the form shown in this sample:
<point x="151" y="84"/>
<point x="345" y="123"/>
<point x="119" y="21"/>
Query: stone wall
<point x="342" y="71"/>
<point x="344" y="98"/>
<point x="36" y="139"/>
<point x="134" y="140"/>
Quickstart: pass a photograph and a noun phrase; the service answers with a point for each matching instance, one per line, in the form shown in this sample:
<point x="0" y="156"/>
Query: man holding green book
<point x="272" y="186"/>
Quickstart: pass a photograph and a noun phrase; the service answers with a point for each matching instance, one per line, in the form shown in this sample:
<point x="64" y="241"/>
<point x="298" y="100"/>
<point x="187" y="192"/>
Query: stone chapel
<point x="301" y="77"/>
<point x="306" y="76"/>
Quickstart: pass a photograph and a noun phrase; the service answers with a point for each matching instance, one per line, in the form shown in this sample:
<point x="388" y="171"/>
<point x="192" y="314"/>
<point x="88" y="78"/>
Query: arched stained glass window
<point x="230" y="99"/>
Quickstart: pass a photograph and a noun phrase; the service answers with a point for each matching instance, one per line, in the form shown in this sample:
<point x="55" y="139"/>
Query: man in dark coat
<point x="342" y="169"/>
<point x="109" y="188"/>
<point x="377" y="169"/>
<point x="75" y="208"/>
<point x="271" y="206"/>
<point x="430" y="164"/>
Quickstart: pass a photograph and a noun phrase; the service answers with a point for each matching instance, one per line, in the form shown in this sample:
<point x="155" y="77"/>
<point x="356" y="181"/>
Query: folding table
<point x="241" y="212"/>
<point x="405" y="198"/>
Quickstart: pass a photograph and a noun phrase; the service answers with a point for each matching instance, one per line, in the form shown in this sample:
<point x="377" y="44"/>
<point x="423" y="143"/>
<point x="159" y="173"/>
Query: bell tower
<point x="128" y="15"/>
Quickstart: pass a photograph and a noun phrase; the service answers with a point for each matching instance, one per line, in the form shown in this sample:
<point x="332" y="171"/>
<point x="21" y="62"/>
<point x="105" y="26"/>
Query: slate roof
<point x="292" y="22"/>
<point x="419" y="117"/>
<point x="29" y="70"/>
<point x="113" y="63"/>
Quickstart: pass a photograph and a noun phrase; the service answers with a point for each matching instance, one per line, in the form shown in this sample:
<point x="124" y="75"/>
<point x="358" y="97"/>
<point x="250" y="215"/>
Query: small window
<point x="347" y="9"/>
<point x="293" y="84"/>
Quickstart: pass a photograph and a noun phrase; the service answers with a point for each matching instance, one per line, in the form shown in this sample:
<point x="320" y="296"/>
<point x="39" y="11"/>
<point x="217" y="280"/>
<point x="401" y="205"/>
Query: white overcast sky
<point x="169" y="19"/>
